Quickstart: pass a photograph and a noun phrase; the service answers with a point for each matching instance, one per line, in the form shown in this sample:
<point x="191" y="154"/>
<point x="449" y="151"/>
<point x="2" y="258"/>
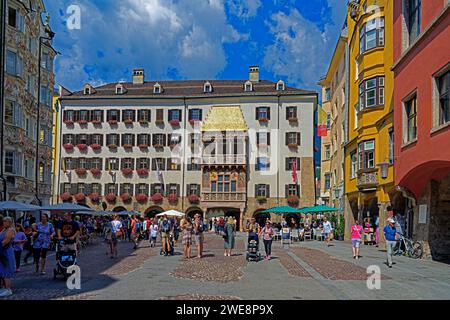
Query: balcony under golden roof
<point x="229" y="118"/>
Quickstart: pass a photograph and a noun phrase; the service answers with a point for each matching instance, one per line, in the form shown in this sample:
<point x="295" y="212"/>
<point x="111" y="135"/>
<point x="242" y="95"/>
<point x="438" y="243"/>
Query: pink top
<point x="267" y="233"/>
<point x="356" y="232"/>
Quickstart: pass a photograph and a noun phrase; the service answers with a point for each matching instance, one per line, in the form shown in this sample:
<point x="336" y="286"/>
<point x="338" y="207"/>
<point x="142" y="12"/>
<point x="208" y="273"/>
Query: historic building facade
<point x="334" y="93"/>
<point x="221" y="147"/>
<point x="422" y="120"/>
<point x="369" y="170"/>
<point x="26" y="141"/>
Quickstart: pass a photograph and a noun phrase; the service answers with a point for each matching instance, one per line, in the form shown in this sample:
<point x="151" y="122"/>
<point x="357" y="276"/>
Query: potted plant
<point x="79" y="197"/>
<point x="172" y="198"/>
<point x="194" y="121"/>
<point x="128" y="121"/>
<point x="261" y="199"/>
<point x="82" y="122"/>
<point x="263" y="120"/>
<point x="96" y="122"/>
<point x="293" y="146"/>
<point x="143" y="122"/>
<point x="82" y="146"/>
<point x="157" y="197"/>
<point x="66" y="197"/>
<point x="194" y="199"/>
<point x="142" y="172"/>
<point x="81" y="171"/>
<point x="95" y="197"/>
<point x="125" y="197"/>
<point x="174" y="122"/>
<point x="158" y="146"/>
<point x="96" y="171"/>
<point x="110" y="197"/>
<point x="141" y="198"/>
<point x="159" y="121"/>
<point x="68" y="146"/>
<point x="112" y="146"/>
<point x="112" y="122"/>
<point x="293" y="201"/>
<point x="127" y="146"/>
<point x="68" y="122"/>
<point x="127" y="171"/>
<point x="293" y="119"/>
<point x="96" y="146"/>
<point x="143" y="146"/>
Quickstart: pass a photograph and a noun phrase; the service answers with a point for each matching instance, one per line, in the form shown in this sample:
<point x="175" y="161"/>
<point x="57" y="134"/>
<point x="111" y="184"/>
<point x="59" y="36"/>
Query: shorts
<point x="39" y="253"/>
<point x="164" y="235"/>
<point x="325" y="235"/>
<point x="153" y="239"/>
<point x="356" y="243"/>
<point x="199" y="238"/>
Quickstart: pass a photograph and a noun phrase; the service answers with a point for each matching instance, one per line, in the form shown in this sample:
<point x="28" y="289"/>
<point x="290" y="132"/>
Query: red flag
<point x="294" y="170"/>
<point x="321" y="130"/>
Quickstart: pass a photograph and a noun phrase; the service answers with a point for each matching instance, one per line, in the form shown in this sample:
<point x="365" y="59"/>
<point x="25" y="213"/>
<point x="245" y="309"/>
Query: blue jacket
<point x="389" y="233"/>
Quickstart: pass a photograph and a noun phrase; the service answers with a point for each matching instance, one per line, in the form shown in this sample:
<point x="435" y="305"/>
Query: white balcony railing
<point x="225" y="159"/>
<point x="224" y="196"/>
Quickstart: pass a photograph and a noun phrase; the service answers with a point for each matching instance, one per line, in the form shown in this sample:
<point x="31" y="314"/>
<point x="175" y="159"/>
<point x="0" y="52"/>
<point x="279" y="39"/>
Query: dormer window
<point x="280" y="85"/>
<point x="88" y="89"/>
<point x="120" y="89"/>
<point x="157" y="88"/>
<point x="248" y="86"/>
<point x="207" y="87"/>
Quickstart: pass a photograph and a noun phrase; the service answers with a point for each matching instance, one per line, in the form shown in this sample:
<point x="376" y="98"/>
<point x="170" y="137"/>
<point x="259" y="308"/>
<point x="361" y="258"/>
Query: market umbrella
<point x="282" y="210"/>
<point x="318" y="209"/>
<point x="66" y="207"/>
<point x="17" y="206"/>
<point x="127" y="213"/>
<point x="171" y="213"/>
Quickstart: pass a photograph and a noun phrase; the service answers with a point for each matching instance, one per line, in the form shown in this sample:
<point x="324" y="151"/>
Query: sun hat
<point x="390" y="220"/>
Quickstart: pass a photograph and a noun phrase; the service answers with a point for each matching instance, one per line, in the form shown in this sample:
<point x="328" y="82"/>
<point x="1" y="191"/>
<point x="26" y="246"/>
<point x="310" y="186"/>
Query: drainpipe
<point x="278" y="149"/>
<point x="184" y="139"/>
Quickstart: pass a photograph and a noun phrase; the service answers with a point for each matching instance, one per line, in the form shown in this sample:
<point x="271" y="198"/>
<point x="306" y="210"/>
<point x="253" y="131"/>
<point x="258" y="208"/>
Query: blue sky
<point x="196" y="39"/>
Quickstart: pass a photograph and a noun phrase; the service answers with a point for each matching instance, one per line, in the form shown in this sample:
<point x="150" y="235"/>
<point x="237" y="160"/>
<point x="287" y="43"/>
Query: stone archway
<point x="153" y="211"/>
<point x="192" y="211"/>
<point x="261" y="217"/>
<point x="119" y="209"/>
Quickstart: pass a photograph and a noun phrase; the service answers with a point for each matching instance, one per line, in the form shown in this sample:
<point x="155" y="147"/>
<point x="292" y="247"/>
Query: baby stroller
<point x="253" y="253"/>
<point x="171" y="245"/>
<point x="64" y="260"/>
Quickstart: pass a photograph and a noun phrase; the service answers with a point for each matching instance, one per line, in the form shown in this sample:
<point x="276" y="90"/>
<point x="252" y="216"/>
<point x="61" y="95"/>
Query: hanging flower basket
<point x="96" y="122"/>
<point x="68" y="146"/>
<point x="293" y="200"/>
<point x="263" y="120"/>
<point x="261" y="199"/>
<point x="96" y="146"/>
<point x="79" y="197"/>
<point x="111" y="197"/>
<point x="82" y="146"/>
<point x="172" y="198"/>
<point x="194" y="199"/>
<point x="66" y="197"/>
<point x="157" y="197"/>
<point x="125" y="197"/>
<point x="96" y="171"/>
<point x="142" y="172"/>
<point x="82" y="122"/>
<point x="141" y="198"/>
<point x="127" y="171"/>
<point x="143" y="122"/>
<point x="81" y="171"/>
<point x="128" y="121"/>
<point x="112" y="146"/>
<point x="68" y="122"/>
<point x="293" y="146"/>
<point x="158" y="146"/>
<point x="159" y="121"/>
<point x="143" y="146"/>
<point x="112" y="122"/>
<point x="127" y="146"/>
<point x="95" y="197"/>
<point x="194" y="121"/>
<point x="293" y="119"/>
<point x="174" y="123"/>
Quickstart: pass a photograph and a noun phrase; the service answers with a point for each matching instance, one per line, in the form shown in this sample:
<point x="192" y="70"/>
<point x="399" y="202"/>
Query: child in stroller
<point x="65" y="258"/>
<point x="253" y="253"/>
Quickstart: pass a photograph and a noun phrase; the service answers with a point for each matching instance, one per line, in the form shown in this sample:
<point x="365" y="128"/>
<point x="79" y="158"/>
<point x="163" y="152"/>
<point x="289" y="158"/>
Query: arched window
<point x="248" y="86"/>
<point x="157" y="88"/>
<point x="207" y="87"/>
<point x="280" y="85"/>
<point x="120" y="89"/>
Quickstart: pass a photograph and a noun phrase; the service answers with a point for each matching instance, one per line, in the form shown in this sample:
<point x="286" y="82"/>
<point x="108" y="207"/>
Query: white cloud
<point x="301" y="50"/>
<point x="244" y="9"/>
<point x="159" y="35"/>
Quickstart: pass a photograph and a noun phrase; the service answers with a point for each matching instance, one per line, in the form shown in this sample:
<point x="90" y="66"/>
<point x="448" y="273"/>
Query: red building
<point x="422" y="119"/>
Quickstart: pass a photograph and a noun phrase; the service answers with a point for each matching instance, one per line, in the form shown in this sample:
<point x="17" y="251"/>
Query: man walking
<point x="165" y="227"/>
<point x="390" y="234"/>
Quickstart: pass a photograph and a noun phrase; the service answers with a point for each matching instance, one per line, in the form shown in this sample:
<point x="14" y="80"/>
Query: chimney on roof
<point x="254" y="74"/>
<point x="138" y="76"/>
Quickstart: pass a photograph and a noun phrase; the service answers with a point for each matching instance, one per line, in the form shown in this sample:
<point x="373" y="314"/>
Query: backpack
<point x="138" y="227"/>
<point x="165" y="226"/>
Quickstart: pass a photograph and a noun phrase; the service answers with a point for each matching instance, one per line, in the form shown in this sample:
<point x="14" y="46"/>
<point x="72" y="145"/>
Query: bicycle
<point x="412" y="248"/>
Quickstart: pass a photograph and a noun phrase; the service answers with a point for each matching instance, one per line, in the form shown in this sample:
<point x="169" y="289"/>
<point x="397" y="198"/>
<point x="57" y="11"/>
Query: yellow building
<point x="369" y="178"/>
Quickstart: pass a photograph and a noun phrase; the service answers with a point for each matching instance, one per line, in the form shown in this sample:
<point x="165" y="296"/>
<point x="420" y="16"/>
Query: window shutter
<point x="298" y="190"/>
<point x="178" y="190"/>
<point x="287" y="138"/>
<point x="257" y="114"/>
<point x="169" y="138"/>
<point x="268" y="138"/>
<point x="257" y="138"/>
<point x="268" y="190"/>
<point x="256" y="190"/>
<point x="73" y="188"/>
<point x="268" y="113"/>
<point x="287" y="163"/>
<point x="165" y="140"/>
<point x="286" y="190"/>
<point x="287" y="113"/>
<point x="169" y="115"/>
<point x="200" y="115"/>
<point x="190" y="114"/>
<point x="133" y="139"/>
<point x="88" y="189"/>
<point x="298" y="163"/>
<point x="167" y="190"/>
<point x="298" y="138"/>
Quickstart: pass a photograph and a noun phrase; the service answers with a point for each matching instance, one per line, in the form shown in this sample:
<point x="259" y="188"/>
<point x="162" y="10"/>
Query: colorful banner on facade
<point x="322" y="123"/>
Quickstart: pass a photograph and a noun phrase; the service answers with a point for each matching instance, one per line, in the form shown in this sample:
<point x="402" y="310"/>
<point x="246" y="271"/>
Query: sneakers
<point x="5" y="293"/>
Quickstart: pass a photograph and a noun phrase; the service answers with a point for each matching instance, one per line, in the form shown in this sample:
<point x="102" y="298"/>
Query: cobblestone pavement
<point x="305" y="270"/>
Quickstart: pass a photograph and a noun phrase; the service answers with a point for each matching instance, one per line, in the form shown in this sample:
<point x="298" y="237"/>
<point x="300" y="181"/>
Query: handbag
<point x="119" y="233"/>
